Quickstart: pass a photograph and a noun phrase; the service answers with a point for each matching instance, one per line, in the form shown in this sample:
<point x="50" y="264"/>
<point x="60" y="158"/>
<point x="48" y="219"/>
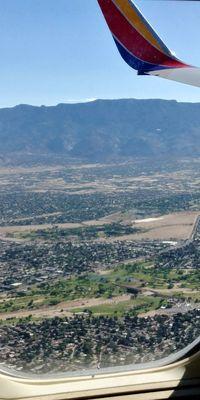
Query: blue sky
<point x="55" y="51"/>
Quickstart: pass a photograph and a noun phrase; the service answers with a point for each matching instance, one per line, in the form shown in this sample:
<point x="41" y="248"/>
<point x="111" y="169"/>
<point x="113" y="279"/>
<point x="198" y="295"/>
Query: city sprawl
<point x="99" y="263"/>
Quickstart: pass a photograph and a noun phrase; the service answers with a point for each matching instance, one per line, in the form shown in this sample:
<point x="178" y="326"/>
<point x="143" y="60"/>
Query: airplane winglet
<point x="140" y="46"/>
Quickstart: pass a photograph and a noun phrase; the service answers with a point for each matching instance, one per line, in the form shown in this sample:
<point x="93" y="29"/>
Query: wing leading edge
<point x="140" y="46"/>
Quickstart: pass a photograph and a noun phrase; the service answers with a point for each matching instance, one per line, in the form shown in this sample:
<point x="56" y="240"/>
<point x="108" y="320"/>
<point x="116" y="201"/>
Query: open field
<point x="175" y="226"/>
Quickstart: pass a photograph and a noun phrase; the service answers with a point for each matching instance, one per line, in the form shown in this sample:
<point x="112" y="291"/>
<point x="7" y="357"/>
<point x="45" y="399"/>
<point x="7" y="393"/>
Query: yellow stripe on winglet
<point x="136" y="21"/>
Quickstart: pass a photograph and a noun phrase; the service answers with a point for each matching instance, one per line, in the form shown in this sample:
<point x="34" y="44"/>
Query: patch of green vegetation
<point x="85" y="286"/>
<point x="118" y="281"/>
<point x="145" y="274"/>
<point x="28" y="302"/>
<point x="190" y="296"/>
<point x="15" y="321"/>
<point x="136" y="306"/>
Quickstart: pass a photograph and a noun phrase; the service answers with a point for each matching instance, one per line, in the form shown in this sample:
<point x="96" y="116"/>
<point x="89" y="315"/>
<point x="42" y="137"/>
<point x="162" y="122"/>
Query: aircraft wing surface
<point x="141" y="47"/>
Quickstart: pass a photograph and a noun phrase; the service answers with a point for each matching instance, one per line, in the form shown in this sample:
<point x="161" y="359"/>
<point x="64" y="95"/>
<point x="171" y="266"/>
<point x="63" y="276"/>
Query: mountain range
<point x="103" y="129"/>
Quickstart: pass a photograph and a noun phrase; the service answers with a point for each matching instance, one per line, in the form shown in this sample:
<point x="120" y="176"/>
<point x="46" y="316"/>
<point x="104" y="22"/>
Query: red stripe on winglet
<point x="132" y="40"/>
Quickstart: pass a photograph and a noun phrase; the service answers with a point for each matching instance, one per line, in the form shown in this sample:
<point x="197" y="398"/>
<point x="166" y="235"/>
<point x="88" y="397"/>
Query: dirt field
<point x="174" y="226"/>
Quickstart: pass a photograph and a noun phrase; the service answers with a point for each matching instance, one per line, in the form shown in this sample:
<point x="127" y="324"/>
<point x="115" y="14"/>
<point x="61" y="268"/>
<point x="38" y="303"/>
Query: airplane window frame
<point x="181" y="377"/>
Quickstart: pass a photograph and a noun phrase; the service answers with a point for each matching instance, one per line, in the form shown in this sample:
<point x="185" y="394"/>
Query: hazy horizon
<point x="86" y="101"/>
